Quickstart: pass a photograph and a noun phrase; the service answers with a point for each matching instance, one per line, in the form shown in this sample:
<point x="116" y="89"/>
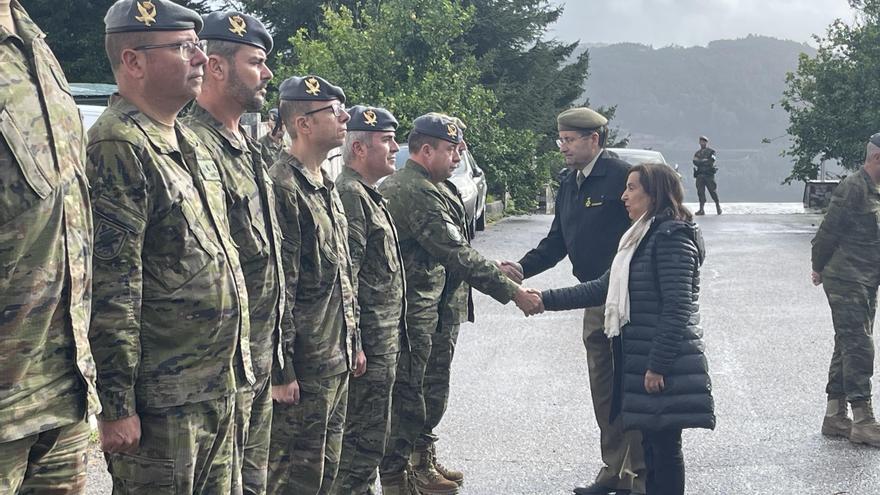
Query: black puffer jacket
<point x="663" y="334"/>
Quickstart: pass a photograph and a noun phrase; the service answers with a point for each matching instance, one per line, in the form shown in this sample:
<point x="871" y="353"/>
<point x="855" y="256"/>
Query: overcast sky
<point x="694" y="22"/>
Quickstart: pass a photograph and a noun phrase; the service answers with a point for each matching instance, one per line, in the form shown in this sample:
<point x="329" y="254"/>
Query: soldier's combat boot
<point x="836" y="422"/>
<point x="864" y="427"/>
<point x="717" y="207"/>
<point x="456" y="477"/>
<point x="701" y="211"/>
<point x="399" y="484"/>
<point x="428" y="480"/>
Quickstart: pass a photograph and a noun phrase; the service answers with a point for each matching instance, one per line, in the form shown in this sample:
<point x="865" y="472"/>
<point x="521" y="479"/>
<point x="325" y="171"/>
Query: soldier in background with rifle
<point x="704" y="172"/>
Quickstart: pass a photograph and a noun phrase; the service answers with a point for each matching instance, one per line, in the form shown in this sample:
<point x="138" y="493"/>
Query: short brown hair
<point x="663" y="185"/>
<point x="289" y="110"/>
<point x="116" y="43"/>
<point x="416" y="140"/>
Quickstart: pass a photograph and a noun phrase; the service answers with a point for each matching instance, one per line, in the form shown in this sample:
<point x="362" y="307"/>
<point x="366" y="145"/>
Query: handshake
<point x="527" y="300"/>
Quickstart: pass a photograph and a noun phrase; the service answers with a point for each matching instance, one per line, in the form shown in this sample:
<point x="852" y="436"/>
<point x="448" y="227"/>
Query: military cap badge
<point x="237" y="25"/>
<point x="451" y="130"/>
<point x="314" y="87"/>
<point x="370" y="118"/>
<point x="148" y="13"/>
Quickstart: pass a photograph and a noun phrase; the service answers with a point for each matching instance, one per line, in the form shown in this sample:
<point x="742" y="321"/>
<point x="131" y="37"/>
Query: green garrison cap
<point x="371" y="119"/>
<point x="126" y="16"/>
<point x="309" y="88"/>
<point x="580" y="119"/>
<point x="438" y="126"/>
<point x="237" y="28"/>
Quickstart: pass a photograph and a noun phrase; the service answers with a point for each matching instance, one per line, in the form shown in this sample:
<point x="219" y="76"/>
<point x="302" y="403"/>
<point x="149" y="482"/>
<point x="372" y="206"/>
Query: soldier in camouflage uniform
<point x="320" y="343"/>
<point x="846" y="260"/>
<point x="369" y="154"/>
<point x="47" y="375"/>
<point x="235" y="82"/>
<point x="704" y="173"/>
<point x="433" y="240"/>
<point x="170" y="325"/>
<point x="273" y="141"/>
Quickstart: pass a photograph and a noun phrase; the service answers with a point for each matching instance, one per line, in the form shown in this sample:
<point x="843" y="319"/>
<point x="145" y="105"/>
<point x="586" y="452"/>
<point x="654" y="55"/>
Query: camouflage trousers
<point x="306" y="439"/>
<point x="706" y="182"/>
<point x="436" y="385"/>
<point x="366" y="426"/>
<point x="183" y="450"/>
<point x="408" y="413"/>
<point x="53" y="461"/>
<point x="853" y="306"/>
<point x="253" y="423"/>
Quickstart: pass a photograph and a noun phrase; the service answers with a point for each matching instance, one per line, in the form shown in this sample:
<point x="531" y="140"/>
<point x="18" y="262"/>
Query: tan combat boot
<point x="836" y="422"/>
<point x="398" y="484"/>
<point x="428" y="480"/>
<point x="456" y="477"/>
<point x="864" y="427"/>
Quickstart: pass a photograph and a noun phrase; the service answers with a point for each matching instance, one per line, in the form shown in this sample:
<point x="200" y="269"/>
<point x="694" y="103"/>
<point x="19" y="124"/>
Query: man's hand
<point x="511" y="270"/>
<point x="360" y="364"/>
<point x="286" y="394"/>
<point x="817" y="278"/>
<point x="529" y="301"/>
<point x="654" y="382"/>
<point x="121" y="435"/>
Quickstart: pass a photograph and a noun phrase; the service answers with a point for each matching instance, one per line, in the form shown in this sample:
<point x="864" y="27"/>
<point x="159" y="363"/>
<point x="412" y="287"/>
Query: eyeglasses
<point x="875" y="139"/>
<point x="569" y="140"/>
<point x="187" y="48"/>
<point x="337" y="109"/>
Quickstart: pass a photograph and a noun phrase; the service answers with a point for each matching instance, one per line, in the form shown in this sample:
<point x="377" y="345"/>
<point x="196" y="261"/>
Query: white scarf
<point x="617" y="301"/>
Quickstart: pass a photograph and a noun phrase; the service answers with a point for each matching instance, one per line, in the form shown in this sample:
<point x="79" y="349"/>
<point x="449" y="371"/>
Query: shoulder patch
<point x="109" y="239"/>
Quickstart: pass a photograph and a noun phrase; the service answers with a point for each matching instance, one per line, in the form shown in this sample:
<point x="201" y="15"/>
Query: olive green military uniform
<point x="435" y="249"/>
<point x="846" y="251"/>
<point x="47" y="375"/>
<point x="250" y="203"/>
<point x="704" y="173"/>
<point x="377" y="263"/>
<point x="170" y="326"/>
<point x="319" y="331"/>
<point x="271" y="148"/>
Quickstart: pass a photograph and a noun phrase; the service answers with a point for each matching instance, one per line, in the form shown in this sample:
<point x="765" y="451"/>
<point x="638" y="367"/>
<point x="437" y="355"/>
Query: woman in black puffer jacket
<point x="652" y="317"/>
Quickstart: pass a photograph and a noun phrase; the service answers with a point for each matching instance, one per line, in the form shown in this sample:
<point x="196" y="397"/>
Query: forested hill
<point x="669" y="96"/>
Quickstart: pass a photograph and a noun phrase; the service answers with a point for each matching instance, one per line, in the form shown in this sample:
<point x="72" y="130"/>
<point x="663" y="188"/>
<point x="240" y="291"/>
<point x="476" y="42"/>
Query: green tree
<point x="75" y="32"/>
<point x="833" y="99"/>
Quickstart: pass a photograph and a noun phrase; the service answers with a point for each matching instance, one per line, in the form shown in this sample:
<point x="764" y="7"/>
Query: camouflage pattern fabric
<point x="306" y="438"/>
<point x="170" y="324"/>
<point x="53" y="461"/>
<point x="853" y="306"/>
<point x="270" y="148"/>
<point x="47" y="375"/>
<point x="847" y="244"/>
<point x="183" y="449"/>
<point x="436" y="384"/>
<point x="704" y="182"/>
<point x="366" y="426"/>
<point x="253" y="426"/>
<point x="704" y="162"/>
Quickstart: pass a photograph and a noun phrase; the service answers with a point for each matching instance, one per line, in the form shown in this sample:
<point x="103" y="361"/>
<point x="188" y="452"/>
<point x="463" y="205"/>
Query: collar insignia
<point x="148" y="13"/>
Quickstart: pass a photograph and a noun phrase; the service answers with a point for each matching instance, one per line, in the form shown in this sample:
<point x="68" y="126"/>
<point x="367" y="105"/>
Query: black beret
<point x="237" y="28"/>
<point x="370" y="119"/>
<point x="126" y="16"/>
<point x="309" y="88"/>
<point x="580" y="118"/>
<point x="438" y="126"/>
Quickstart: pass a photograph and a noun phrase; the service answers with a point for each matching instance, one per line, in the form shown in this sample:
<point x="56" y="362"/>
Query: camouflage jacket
<point x="433" y="240"/>
<point x="46" y="368"/>
<point x="319" y="334"/>
<point x="376" y="263"/>
<point x="457" y="301"/>
<point x="170" y="321"/>
<point x="704" y="162"/>
<point x="270" y="148"/>
<point x="250" y="203"/>
<point x="847" y="244"/>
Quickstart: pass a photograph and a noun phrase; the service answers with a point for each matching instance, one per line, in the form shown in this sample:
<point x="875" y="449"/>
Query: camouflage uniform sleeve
<point x="283" y="372"/>
<point x="357" y="230"/>
<point x="120" y="206"/>
<point x="833" y="225"/>
<point x="439" y="235"/>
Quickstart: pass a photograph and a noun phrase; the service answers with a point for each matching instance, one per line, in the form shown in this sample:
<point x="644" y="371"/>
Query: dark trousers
<point x="665" y="462"/>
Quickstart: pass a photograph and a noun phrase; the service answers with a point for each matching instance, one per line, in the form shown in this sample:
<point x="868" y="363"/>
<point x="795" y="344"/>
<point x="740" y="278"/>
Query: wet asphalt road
<point x="520" y="419"/>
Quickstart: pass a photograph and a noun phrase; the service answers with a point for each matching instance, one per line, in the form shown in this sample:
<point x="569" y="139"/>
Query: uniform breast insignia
<point x="370" y="118"/>
<point x="148" y="13"/>
<point x="451" y="130"/>
<point x="314" y="87"/>
<point x="209" y="169"/>
<point x="237" y="25"/>
<point x="589" y="203"/>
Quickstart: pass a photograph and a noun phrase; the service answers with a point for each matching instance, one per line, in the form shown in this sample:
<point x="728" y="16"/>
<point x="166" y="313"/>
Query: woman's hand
<point x="654" y="382"/>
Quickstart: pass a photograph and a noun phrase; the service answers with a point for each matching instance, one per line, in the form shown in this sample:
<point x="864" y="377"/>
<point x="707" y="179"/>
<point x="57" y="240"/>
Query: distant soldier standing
<point x="47" y="375"/>
<point x="235" y="82"/>
<point x="846" y="260"/>
<point x="704" y="172"/>
<point x="170" y="326"/>
<point x="273" y="141"/>
<point x="320" y="340"/>
<point x="368" y="153"/>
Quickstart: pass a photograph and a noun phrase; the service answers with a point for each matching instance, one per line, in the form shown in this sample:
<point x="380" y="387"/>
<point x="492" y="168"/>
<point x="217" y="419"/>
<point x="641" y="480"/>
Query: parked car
<point x="90" y="114"/>
<point x="635" y="156"/>
<point x="470" y="180"/>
